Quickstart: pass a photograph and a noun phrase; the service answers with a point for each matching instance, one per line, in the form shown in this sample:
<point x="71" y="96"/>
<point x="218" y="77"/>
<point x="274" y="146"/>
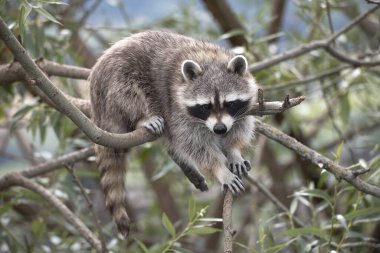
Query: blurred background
<point x="340" y="119"/>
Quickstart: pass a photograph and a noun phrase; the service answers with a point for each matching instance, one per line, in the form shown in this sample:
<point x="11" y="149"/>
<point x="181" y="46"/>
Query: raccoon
<point x="193" y="93"/>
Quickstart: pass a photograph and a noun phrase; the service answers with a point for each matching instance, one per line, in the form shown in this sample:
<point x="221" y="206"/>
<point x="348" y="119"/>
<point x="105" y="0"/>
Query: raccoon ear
<point x="238" y="65"/>
<point x="190" y="70"/>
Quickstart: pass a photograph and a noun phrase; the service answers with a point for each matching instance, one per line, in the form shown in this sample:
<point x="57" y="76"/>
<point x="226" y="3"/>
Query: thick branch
<point x="227" y="222"/>
<point x="316" y="158"/>
<point x="227" y="19"/>
<point x="17" y="179"/>
<point x="13" y="72"/>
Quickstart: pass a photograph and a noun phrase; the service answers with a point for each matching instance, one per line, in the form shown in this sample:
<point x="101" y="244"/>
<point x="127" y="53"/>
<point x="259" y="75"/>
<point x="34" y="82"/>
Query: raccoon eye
<point x="206" y="107"/>
<point x="236" y="107"/>
<point x="230" y="104"/>
<point x="200" y="111"/>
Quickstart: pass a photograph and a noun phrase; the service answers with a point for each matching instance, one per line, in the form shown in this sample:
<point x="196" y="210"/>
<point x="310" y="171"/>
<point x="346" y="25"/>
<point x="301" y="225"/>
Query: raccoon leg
<point x="237" y="139"/>
<point x="228" y="180"/>
<point x="190" y="172"/>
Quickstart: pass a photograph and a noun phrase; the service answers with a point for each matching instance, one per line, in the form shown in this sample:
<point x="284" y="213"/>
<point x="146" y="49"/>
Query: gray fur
<point x="141" y="78"/>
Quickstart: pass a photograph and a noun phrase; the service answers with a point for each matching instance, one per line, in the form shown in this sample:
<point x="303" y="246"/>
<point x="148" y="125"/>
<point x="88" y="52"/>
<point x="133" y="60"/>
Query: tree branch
<point x="316" y="158"/>
<point x="19" y="180"/>
<point x="49" y="166"/>
<point x="274" y="200"/>
<point x="227" y="222"/>
<point x="13" y="72"/>
<point x="226" y="18"/>
<point x="325" y="44"/>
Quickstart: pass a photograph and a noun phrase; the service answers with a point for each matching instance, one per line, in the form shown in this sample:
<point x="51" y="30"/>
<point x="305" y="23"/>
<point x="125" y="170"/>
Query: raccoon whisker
<point x="239" y="113"/>
<point x="200" y="122"/>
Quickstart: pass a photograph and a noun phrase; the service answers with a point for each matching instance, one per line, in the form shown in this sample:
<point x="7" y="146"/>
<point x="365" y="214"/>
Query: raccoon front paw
<point x="154" y="124"/>
<point x="234" y="184"/>
<point x="240" y="168"/>
<point x="198" y="181"/>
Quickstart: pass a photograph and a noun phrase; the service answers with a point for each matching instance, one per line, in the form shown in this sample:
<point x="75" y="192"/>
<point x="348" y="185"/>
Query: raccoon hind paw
<point x="154" y="124"/>
<point x="122" y="221"/>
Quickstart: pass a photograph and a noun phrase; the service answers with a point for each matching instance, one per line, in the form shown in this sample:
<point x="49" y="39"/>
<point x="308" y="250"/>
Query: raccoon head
<point x="217" y="94"/>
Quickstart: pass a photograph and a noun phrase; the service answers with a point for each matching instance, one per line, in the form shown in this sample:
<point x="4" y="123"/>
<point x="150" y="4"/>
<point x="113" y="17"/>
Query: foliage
<point x="340" y="120"/>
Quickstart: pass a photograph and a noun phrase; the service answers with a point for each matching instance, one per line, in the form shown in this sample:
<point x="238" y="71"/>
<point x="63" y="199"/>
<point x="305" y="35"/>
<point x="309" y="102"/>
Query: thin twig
<point x="274" y="200"/>
<point x="49" y="166"/>
<point x="19" y="180"/>
<point x="89" y="206"/>
<point x="316" y="77"/>
<point x="316" y="158"/>
<point x="318" y="44"/>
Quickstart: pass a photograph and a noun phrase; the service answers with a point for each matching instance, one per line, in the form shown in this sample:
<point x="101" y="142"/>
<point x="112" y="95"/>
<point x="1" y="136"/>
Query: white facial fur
<point x="226" y="119"/>
<point x="197" y="101"/>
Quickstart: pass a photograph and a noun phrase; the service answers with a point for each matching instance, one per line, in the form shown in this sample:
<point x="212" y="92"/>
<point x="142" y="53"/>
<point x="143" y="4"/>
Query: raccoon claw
<point x="155" y="125"/>
<point x="235" y="186"/>
<point x="240" y="168"/>
<point x="202" y="186"/>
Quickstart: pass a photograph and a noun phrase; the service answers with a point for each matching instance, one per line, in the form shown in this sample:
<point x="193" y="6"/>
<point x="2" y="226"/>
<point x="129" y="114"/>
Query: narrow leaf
<point x="341" y="220"/>
<point x="304" y="231"/>
<point x="53" y="2"/>
<point x="363" y="212"/>
<point x="21" y="25"/>
<point x="192" y="209"/>
<point x="142" y="246"/>
<point x="345" y="108"/>
<point x="315" y="193"/>
<point x="47" y="15"/>
<point x="168" y="224"/>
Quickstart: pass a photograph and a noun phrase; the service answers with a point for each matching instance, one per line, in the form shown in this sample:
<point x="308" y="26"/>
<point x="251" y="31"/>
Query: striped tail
<point x="111" y="164"/>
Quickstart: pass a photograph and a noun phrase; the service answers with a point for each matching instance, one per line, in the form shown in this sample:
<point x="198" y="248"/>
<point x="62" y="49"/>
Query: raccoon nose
<point x="220" y="128"/>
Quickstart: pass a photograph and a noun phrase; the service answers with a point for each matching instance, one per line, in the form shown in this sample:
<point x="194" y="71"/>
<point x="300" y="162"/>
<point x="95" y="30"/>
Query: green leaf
<point x="47" y="15"/>
<point x="338" y="151"/>
<point x="315" y="193"/>
<point x="53" y="2"/>
<point x="362" y="212"/>
<point x="192" y="208"/>
<point x="232" y="33"/>
<point x="203" y="230"/>
<point x="293" y="206"/>
<point x="21" y="24"/>
<point x="22" y="112"/>
<point x="304" y="231"/>
<point x="168" y="224"/>
<point x="38" y="228"/>
<point x="142" y="246"/>
<point x="278" y="247"/>
<point x="345" y="108"/>
<point x="342" y="220"/>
